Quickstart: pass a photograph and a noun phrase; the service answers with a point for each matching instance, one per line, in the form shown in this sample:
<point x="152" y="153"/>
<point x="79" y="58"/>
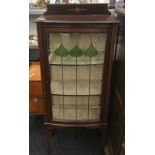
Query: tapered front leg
<point x="48" y="139"/>
<point x="103" y="140"/>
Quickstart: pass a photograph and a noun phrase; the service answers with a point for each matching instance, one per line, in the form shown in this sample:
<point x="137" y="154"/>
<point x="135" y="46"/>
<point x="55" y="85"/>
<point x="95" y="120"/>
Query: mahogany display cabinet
<point x="76" y="44"/>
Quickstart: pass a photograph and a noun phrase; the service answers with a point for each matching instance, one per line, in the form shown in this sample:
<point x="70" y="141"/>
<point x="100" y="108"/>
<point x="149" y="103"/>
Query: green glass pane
<point x="61" y="51"/>
<point x="91" y="51"/>
<point x="76" y="52"/>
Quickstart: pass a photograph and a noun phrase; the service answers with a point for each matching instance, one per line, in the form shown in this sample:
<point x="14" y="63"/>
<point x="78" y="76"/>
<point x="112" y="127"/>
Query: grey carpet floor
<point x="69" y="141"/>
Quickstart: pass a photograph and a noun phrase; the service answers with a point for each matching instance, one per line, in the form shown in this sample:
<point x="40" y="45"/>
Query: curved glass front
<point x="76" y="63"/>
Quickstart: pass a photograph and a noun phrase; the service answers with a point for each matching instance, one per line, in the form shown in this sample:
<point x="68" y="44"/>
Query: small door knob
<point x="35" y="99"/>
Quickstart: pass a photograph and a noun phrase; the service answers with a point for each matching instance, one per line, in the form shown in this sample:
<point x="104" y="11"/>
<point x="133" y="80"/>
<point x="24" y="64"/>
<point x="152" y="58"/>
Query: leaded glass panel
<point x="76" y="72"/>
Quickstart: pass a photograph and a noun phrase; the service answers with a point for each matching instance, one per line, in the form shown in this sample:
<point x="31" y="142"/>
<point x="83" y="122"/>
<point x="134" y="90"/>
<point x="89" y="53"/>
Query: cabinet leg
<point x="48" y="139"/>
<point x="103" y="140"/>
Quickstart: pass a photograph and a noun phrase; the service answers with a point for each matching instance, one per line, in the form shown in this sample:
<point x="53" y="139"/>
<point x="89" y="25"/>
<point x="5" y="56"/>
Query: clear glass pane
<point x="87" y="108"/>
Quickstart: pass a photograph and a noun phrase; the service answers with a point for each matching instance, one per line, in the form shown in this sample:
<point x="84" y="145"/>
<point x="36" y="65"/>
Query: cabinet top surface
<point x="34" y="72"/>
<point x="103" y="19"/>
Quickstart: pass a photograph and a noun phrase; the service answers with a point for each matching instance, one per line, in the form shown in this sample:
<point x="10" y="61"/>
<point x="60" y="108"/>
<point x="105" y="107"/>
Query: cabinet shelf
<point x="33" y="46"/>
<point x="69" y="87"/>
<point x="71" y="61"/>
<point x="79" y="106"/>
<point x="36" y="11"/>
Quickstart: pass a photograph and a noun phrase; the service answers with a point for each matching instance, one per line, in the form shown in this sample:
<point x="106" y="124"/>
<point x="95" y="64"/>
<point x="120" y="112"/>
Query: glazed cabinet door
<point x="75" y="62"/>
